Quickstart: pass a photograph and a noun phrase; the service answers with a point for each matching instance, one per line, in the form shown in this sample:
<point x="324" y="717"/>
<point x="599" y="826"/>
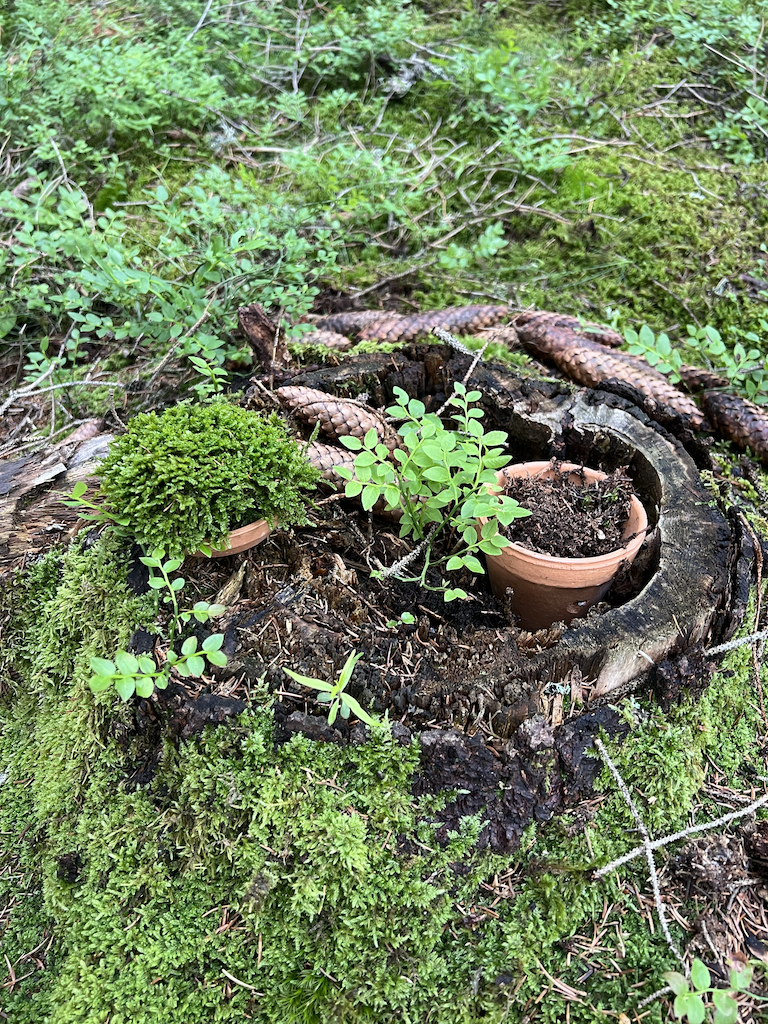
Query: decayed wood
<point x="459" y="319"/>
<point x="32" y="516"/>
<point x="687" y="597"/>
<point x="265" y="338"/>
<point x="337" y="417"/>
<point x="740" y="421"/>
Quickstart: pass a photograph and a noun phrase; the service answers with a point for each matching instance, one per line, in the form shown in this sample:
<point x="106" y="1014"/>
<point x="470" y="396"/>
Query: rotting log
<point x="687" y="599"/>
<point x="32" y="515"/>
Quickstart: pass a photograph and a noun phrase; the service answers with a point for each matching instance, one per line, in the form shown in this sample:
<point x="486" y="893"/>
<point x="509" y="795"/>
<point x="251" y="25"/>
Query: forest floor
<point x="215" y="855"/>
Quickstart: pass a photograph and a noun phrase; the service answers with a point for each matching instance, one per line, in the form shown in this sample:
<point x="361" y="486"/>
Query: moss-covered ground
<point x="540" y="154"/>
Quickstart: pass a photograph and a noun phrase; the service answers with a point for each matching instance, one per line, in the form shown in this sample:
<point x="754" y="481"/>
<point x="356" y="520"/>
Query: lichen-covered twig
<point x="647" y="849"/>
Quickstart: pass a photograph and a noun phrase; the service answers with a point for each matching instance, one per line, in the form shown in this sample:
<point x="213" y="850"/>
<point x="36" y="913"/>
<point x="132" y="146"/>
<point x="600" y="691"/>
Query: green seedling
<point x="690" y="992"/>
<point x="140" y="675"/>
<point x="333" y="694"/>
<point x="438" y="482"/>
<point x="407" y="618"/>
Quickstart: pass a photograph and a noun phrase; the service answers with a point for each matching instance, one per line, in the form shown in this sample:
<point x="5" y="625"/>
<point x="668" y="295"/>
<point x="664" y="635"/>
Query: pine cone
<point x="352" y="322"/>
<point x="696" y="378"/>
<point x="337" y="417"/>
<point x="740" y="421"/>
<point x="458" y="319"/>
<point x="533" y="324"/>
<point x="327" y="459"/>
<point x="330" y="339"/>
<point x="500" y="335"/>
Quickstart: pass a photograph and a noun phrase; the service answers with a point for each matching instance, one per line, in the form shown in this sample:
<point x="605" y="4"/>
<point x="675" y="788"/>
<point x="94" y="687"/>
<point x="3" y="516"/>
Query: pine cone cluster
<point x="457" y="319"/>
<point x="534" y="323"/>
<point x="589" y="362"/>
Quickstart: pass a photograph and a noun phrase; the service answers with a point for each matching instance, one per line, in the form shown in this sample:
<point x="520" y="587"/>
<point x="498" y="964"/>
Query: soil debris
<point x="569" y="517"/>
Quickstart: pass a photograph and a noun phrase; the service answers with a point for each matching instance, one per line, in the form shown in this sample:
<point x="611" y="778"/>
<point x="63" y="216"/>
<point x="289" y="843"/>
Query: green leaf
<point x="103" y="667"/>
<point x="127" y="665"/>
<point x="79" y="489"/>
<point x="213" y="642"/>
<point x="196" y="665"/>
<point x="355" y="708"/>
<point x="126" y="687"/>
<point x="473" y="564"/>
<point x="217" y="658"/>
<point x="353" y="488"/>
<point x="189" y="646"/>
<point x="451" y="595"/>
<point x="353" y="443"/>
<point x="156" y="582"/>
<point x="99" y="683"/>
<point x="333" y="712"/>
<point x="437" y="473"/>
<point x="677" y="982"/>
<point x="370" y="497"/>
<point x="727" y="1009"/>
<point x="315" y="684"/>
<point x="700" y="976"/>
<point x="146" y="665"/>
<point x="495" y="437"/>
<point x="178" y="584"/>
<point x="172" y="565"/>
<point x="145" y="686"/>
<point x="453" y="563"/>
<point x="741" y="980"/>
<point x="690" y="1005"/>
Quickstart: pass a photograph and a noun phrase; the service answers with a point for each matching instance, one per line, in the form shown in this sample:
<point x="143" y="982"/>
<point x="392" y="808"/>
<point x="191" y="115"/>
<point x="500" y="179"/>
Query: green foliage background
<point x="155" y="175"/>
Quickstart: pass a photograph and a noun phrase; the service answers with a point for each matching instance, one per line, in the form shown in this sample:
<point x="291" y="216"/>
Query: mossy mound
<point x="300" y="883"/>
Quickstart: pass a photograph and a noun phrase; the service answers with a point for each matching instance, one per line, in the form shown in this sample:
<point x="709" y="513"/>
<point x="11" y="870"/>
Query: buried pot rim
<point x="241" y="539"/>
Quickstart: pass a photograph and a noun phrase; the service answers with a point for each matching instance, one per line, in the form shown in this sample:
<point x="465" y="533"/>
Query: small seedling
<point x="407" y="618"/>
<point x="690" y="992"/>
<point x="131" y="674"/>
<point x="333" y="693"/>
<point x="441" y="481"/>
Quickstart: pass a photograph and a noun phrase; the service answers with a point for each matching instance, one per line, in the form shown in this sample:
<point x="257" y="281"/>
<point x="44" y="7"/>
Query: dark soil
<point x="571" y="518"/>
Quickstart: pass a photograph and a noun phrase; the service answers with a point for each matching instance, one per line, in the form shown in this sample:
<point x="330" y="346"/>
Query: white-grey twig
<point x="392" y="570"/>
<point x="448" y="338"/>
<point x="200" y="23"/>
<point x="647" y="849"/>
<point x="683" y="834"/>
<point x="740" y="642"/>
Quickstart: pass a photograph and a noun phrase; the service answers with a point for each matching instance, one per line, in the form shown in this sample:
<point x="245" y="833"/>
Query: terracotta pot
<point x="241" y="539"/>
<point x="548" y="589"/>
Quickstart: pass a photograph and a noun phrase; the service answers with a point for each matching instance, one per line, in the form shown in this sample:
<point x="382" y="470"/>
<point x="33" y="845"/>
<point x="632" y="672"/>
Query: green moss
<point x="305" y="872"/>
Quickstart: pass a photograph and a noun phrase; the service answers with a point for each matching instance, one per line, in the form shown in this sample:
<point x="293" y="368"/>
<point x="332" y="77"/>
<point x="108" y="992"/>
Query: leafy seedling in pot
<point x="333" y="693"/>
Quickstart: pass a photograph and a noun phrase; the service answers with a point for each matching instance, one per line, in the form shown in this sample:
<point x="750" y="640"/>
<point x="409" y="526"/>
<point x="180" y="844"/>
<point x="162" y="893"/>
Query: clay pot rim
<point x="241" y="539"/>
<point x="629" y="549"/>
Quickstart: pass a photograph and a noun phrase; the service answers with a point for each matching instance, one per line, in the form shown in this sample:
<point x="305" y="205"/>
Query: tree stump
<point x="692" y="550"/>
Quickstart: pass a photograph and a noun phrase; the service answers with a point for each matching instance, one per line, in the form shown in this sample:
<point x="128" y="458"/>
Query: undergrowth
<point x="158" y="172"/>
<point x="603" y="159"/>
